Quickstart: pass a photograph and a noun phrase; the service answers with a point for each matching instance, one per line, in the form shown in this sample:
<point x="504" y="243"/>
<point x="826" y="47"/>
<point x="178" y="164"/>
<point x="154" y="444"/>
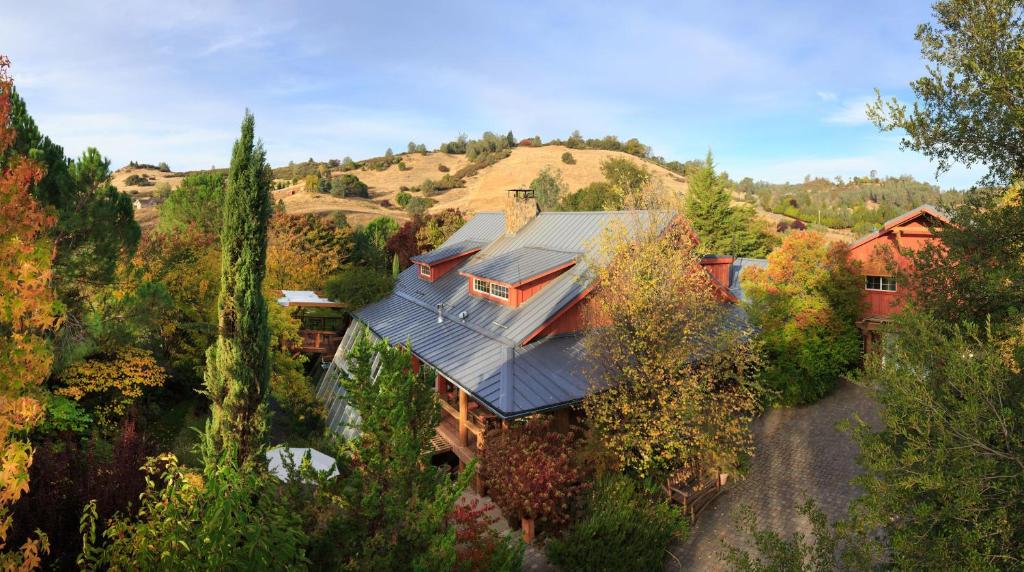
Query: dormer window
<point x="490" y="289"/>
<point x="499" y="291"/>
<point x="425" y="270"/>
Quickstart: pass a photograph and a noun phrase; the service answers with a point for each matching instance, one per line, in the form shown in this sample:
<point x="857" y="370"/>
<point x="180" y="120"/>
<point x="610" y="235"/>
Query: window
<point x="881" y="283"/>
<point x="425" y="270"/>
<point x="499" y="291"/>
<point x="481" y="286"/>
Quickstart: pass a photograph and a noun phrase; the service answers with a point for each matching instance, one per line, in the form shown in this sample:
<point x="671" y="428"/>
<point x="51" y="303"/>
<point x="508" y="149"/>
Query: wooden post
<point x="528" y="530"/>
<point x="463" y="417"/>
<point x="439" y="384"/>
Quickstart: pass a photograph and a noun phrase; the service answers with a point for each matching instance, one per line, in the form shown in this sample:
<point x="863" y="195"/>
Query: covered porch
<point x="464" y="421"/>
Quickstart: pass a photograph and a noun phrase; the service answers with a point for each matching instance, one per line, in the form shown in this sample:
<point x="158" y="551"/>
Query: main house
<point x="884" y="258"/>
<point x="495" y="312"/>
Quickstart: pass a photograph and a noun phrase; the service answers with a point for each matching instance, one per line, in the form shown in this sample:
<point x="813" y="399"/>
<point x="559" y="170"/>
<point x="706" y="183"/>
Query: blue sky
<point x="775" y="89"/>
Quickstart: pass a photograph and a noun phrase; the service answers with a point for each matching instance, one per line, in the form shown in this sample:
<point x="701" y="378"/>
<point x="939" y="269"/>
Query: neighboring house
<point x="883" y="256"/>
<point x="495" y="311"/>
<point x="323" y="320"/>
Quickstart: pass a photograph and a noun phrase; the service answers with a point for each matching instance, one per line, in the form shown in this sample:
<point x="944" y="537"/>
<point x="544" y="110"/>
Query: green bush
<point x="568" y="159"/>
<point x="138" y="181"/>
<point x="358" y="286"/>
<point x="349" y="186"/>
<point x="418" y="205"/>
<point x="593" y="197"/>
<point x="624" y="527"/>
<point x="162" y="167"/>
<point x="403" y="167"/>
<point x="403" y="198"/>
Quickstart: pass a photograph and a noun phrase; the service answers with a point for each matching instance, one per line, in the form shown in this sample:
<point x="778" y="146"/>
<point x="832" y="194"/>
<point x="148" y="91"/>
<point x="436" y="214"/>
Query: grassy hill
<point x="483" y="190"/>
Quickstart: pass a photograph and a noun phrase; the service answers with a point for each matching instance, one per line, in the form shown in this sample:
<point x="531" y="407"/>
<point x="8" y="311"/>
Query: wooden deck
<point x="448" y="430"/>
<point x="319" y="342"/>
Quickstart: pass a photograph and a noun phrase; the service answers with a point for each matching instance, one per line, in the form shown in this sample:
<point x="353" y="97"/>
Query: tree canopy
<point x="198" y="201"/>
<point x="967" y="107"/>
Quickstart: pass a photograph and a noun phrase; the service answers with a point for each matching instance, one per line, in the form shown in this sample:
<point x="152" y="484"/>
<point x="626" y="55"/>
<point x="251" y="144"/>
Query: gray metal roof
<point x="517" y="266"/>
<point x="479" y="343"/>
<point x="448" y="251"/>
<point x="736" y="269"/>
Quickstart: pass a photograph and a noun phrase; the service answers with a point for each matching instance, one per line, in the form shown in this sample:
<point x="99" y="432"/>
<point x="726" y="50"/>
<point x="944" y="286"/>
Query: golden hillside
<point x="484" y="191"/>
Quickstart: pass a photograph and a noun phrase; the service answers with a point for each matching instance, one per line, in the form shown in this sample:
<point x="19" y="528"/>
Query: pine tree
<point x="721" y="227"/>
<point x="395" y="267"/>
<point x="238" y="364"/>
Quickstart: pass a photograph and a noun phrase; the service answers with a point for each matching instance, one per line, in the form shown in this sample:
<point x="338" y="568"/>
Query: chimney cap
<point x="522" y="193"/>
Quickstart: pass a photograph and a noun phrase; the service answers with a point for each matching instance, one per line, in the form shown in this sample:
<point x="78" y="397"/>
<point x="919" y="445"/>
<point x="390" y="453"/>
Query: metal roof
<point x="517" y="266"/>
<point x="304" y="298"/>
<point x="736" y="269"/>
<point x="479" y="343"/>
<point x="448" y="251"/>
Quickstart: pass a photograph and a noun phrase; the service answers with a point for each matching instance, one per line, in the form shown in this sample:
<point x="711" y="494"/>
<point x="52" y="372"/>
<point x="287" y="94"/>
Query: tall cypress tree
<point x="238" y="363"/>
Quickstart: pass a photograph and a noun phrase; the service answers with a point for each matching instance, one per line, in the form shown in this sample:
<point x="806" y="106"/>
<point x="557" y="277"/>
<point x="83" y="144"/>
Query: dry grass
<point x="121" y="175"/>
<point x="484" y="191"/>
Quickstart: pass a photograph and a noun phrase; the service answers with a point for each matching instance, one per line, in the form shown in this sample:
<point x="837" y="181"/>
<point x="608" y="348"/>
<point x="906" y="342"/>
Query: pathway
<point x="800" y="454"/>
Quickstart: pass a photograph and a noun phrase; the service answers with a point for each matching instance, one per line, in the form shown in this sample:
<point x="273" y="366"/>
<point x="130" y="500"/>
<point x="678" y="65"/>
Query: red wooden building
<point x="883" y="256"/>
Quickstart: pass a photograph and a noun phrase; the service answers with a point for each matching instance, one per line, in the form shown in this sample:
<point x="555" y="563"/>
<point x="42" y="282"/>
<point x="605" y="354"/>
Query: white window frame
<point x="884" y="284"/>
<point x="427" y="268"/>
<point x="495" y="288"/>
<point x="481" y="286"/>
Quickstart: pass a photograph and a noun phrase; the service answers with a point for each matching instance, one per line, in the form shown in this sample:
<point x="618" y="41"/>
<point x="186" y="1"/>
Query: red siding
<point x="718" y="268"/>
<point x="442" y="268"/>
<point x="884" y="255"/>
<point x="518" y="294"/>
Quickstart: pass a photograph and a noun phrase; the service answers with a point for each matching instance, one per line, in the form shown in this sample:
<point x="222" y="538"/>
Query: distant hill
<point x="484" y="191"/>
<point x="484" y="188"/>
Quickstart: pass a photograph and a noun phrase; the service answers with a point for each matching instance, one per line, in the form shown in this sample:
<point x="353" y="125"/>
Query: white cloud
<point x="827" y="95"/>
<point x="850" y="112"/>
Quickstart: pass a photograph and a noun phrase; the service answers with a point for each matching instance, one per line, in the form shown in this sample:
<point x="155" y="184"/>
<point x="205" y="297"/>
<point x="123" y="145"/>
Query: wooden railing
<point x="319" y="341"/>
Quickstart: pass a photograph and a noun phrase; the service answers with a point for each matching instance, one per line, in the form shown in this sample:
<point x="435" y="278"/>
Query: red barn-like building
<point x="883" y="256"/>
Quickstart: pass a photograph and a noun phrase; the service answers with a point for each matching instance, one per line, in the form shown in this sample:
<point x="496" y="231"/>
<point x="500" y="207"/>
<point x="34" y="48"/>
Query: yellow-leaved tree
<point x="27" y="311"/>
<point x="114" y="381"/>
<point x="673" y="367"/>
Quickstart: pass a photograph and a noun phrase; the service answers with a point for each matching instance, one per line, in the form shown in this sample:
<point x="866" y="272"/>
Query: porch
<point x="464" y="421"/>
<point x="324" y="342"/>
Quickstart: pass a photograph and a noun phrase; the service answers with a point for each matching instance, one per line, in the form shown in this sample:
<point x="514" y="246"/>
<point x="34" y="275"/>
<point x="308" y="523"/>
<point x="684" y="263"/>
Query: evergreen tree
<point x="721" y="227"/>
<point x="238" y="364"/>
<point x="395" y="268"/>
<point x="397" y="502"/>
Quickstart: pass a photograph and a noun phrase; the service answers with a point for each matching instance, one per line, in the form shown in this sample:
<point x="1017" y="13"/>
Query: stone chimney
<point x="520" y="208"/>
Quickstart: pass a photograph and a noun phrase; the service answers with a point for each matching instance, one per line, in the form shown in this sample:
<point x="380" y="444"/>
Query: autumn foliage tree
<point x="673" y="369"/>
<point x="530" y="472"/>
<point x="27" y="311"/>
<point x="113" y="382"/>
<point x="805" y="304"/>
<point x="302" y="251"/>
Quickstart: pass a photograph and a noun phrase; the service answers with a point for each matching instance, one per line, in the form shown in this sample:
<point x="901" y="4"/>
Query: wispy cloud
<point x="850" y="112"/>
<point x="156" y="81"/>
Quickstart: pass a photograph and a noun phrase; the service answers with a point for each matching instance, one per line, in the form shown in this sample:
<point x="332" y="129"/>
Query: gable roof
<point x="481" y="345"/>
<point x="515" y="267"/>
<point x="923" y="210"/>
<point x="449" y="251"/>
